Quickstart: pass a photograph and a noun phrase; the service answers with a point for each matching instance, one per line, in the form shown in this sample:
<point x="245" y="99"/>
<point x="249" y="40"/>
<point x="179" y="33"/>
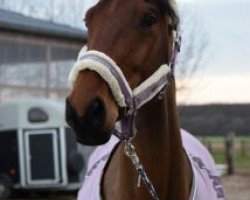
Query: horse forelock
<point x="169" y="7"/>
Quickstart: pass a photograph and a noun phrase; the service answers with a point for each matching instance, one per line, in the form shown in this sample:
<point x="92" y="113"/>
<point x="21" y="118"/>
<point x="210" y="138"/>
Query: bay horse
<point x="125" y="74"/>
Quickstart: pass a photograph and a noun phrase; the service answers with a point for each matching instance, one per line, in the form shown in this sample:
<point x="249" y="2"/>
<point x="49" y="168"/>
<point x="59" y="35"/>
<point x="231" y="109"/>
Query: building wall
<point x="35" y="66"/>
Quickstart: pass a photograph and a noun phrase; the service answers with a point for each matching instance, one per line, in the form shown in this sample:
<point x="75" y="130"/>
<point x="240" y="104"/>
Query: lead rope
<point x="130" y="152"/>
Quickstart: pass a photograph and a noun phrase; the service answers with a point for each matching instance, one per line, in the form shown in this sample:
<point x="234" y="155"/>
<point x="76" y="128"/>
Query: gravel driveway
<point x="237" y="187"/>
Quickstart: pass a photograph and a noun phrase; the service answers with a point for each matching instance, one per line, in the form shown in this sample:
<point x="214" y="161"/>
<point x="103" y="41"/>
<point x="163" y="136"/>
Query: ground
<point x="237" y="187"/>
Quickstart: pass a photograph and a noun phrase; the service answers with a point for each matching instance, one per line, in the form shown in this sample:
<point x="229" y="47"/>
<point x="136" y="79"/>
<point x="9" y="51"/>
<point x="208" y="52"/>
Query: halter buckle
<point x="131" y="108"/>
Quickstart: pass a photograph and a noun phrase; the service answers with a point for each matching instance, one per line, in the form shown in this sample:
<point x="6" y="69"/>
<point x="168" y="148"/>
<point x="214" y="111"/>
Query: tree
<point x="194" y="49"/>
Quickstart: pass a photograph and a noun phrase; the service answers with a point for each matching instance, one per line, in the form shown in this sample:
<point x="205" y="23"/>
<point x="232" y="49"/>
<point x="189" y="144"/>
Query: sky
<point x="224" y="76"/>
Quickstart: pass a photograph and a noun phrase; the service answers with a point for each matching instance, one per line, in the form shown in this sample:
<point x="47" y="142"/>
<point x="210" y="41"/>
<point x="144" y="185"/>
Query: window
<point x="36" y="115"/>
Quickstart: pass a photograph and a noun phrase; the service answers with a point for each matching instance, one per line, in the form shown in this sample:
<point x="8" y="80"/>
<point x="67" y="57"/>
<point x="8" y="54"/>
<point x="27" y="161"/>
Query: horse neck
<point x="159" y="147"/>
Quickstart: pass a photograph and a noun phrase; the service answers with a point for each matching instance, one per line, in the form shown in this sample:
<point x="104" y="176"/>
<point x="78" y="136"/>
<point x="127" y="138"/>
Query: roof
<point x="18" y="22"/>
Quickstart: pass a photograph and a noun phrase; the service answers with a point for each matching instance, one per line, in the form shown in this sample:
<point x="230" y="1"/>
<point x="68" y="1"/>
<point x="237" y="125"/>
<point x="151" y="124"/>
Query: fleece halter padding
<point x="130" y="100"/>
<point x="111" y="73"/>
<point x="125" y="98"/>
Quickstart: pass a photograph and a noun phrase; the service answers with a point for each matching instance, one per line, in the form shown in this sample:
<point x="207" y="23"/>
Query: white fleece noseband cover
<point x="111" y="73"/>
<point x="86" y="61"/>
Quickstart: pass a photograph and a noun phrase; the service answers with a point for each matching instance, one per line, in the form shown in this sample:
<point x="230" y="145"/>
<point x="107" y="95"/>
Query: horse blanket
<point x="206" y="183"/>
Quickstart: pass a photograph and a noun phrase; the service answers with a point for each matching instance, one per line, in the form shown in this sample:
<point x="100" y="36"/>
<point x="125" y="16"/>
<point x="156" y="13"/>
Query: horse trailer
<point x="38" y="151"/>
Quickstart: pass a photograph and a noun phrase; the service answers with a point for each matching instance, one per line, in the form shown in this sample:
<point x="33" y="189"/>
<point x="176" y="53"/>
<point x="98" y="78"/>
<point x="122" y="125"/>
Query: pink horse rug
<point x="206" y="183"/>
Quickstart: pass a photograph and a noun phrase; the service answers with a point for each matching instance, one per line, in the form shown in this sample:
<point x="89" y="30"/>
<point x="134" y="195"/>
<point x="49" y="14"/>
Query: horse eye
<point x="149" y="20"/>
<point x="85" y="22"/>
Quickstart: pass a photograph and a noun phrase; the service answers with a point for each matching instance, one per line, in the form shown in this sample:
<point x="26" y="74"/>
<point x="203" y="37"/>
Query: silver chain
<point x="130" y="152"/>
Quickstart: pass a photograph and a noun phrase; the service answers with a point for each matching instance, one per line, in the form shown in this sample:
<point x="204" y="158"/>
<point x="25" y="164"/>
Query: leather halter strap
<point x="127" y="100"/>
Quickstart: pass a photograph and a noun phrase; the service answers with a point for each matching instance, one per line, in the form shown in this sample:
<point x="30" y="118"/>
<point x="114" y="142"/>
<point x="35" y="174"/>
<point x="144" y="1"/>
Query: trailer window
<point x="36" y="115"/>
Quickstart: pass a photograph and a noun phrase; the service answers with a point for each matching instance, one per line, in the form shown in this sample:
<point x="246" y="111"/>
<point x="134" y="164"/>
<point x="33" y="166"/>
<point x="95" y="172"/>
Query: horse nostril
<point x="95" y="114"/>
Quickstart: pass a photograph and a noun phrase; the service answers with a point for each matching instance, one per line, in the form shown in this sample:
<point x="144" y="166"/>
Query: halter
<point x="130" y="101"/>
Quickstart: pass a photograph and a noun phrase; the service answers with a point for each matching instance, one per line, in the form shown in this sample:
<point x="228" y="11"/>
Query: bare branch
<point x="195" y="42"/>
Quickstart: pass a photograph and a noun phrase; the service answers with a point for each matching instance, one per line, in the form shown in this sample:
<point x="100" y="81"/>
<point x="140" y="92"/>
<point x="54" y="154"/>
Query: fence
<point x="234" y="151"/>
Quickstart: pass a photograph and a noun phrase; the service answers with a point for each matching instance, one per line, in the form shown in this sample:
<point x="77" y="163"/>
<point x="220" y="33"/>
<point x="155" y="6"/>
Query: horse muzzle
<point x="89" y="127"/>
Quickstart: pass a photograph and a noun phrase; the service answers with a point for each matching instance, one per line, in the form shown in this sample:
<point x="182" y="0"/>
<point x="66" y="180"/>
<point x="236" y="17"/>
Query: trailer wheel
<point x="4" y="189"/>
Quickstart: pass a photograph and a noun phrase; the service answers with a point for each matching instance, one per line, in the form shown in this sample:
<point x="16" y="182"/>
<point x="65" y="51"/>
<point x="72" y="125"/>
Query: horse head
<point x="138" y="36"/>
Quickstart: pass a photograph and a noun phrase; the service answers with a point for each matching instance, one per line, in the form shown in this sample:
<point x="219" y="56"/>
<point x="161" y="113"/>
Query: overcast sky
<point x="226" y="77"/>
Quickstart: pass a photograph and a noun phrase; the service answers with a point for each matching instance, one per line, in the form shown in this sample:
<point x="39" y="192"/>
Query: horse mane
<point x="169" y="7"/>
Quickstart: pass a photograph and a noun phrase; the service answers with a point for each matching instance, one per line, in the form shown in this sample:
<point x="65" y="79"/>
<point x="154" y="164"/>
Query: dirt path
<point x="237" y="187"/>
